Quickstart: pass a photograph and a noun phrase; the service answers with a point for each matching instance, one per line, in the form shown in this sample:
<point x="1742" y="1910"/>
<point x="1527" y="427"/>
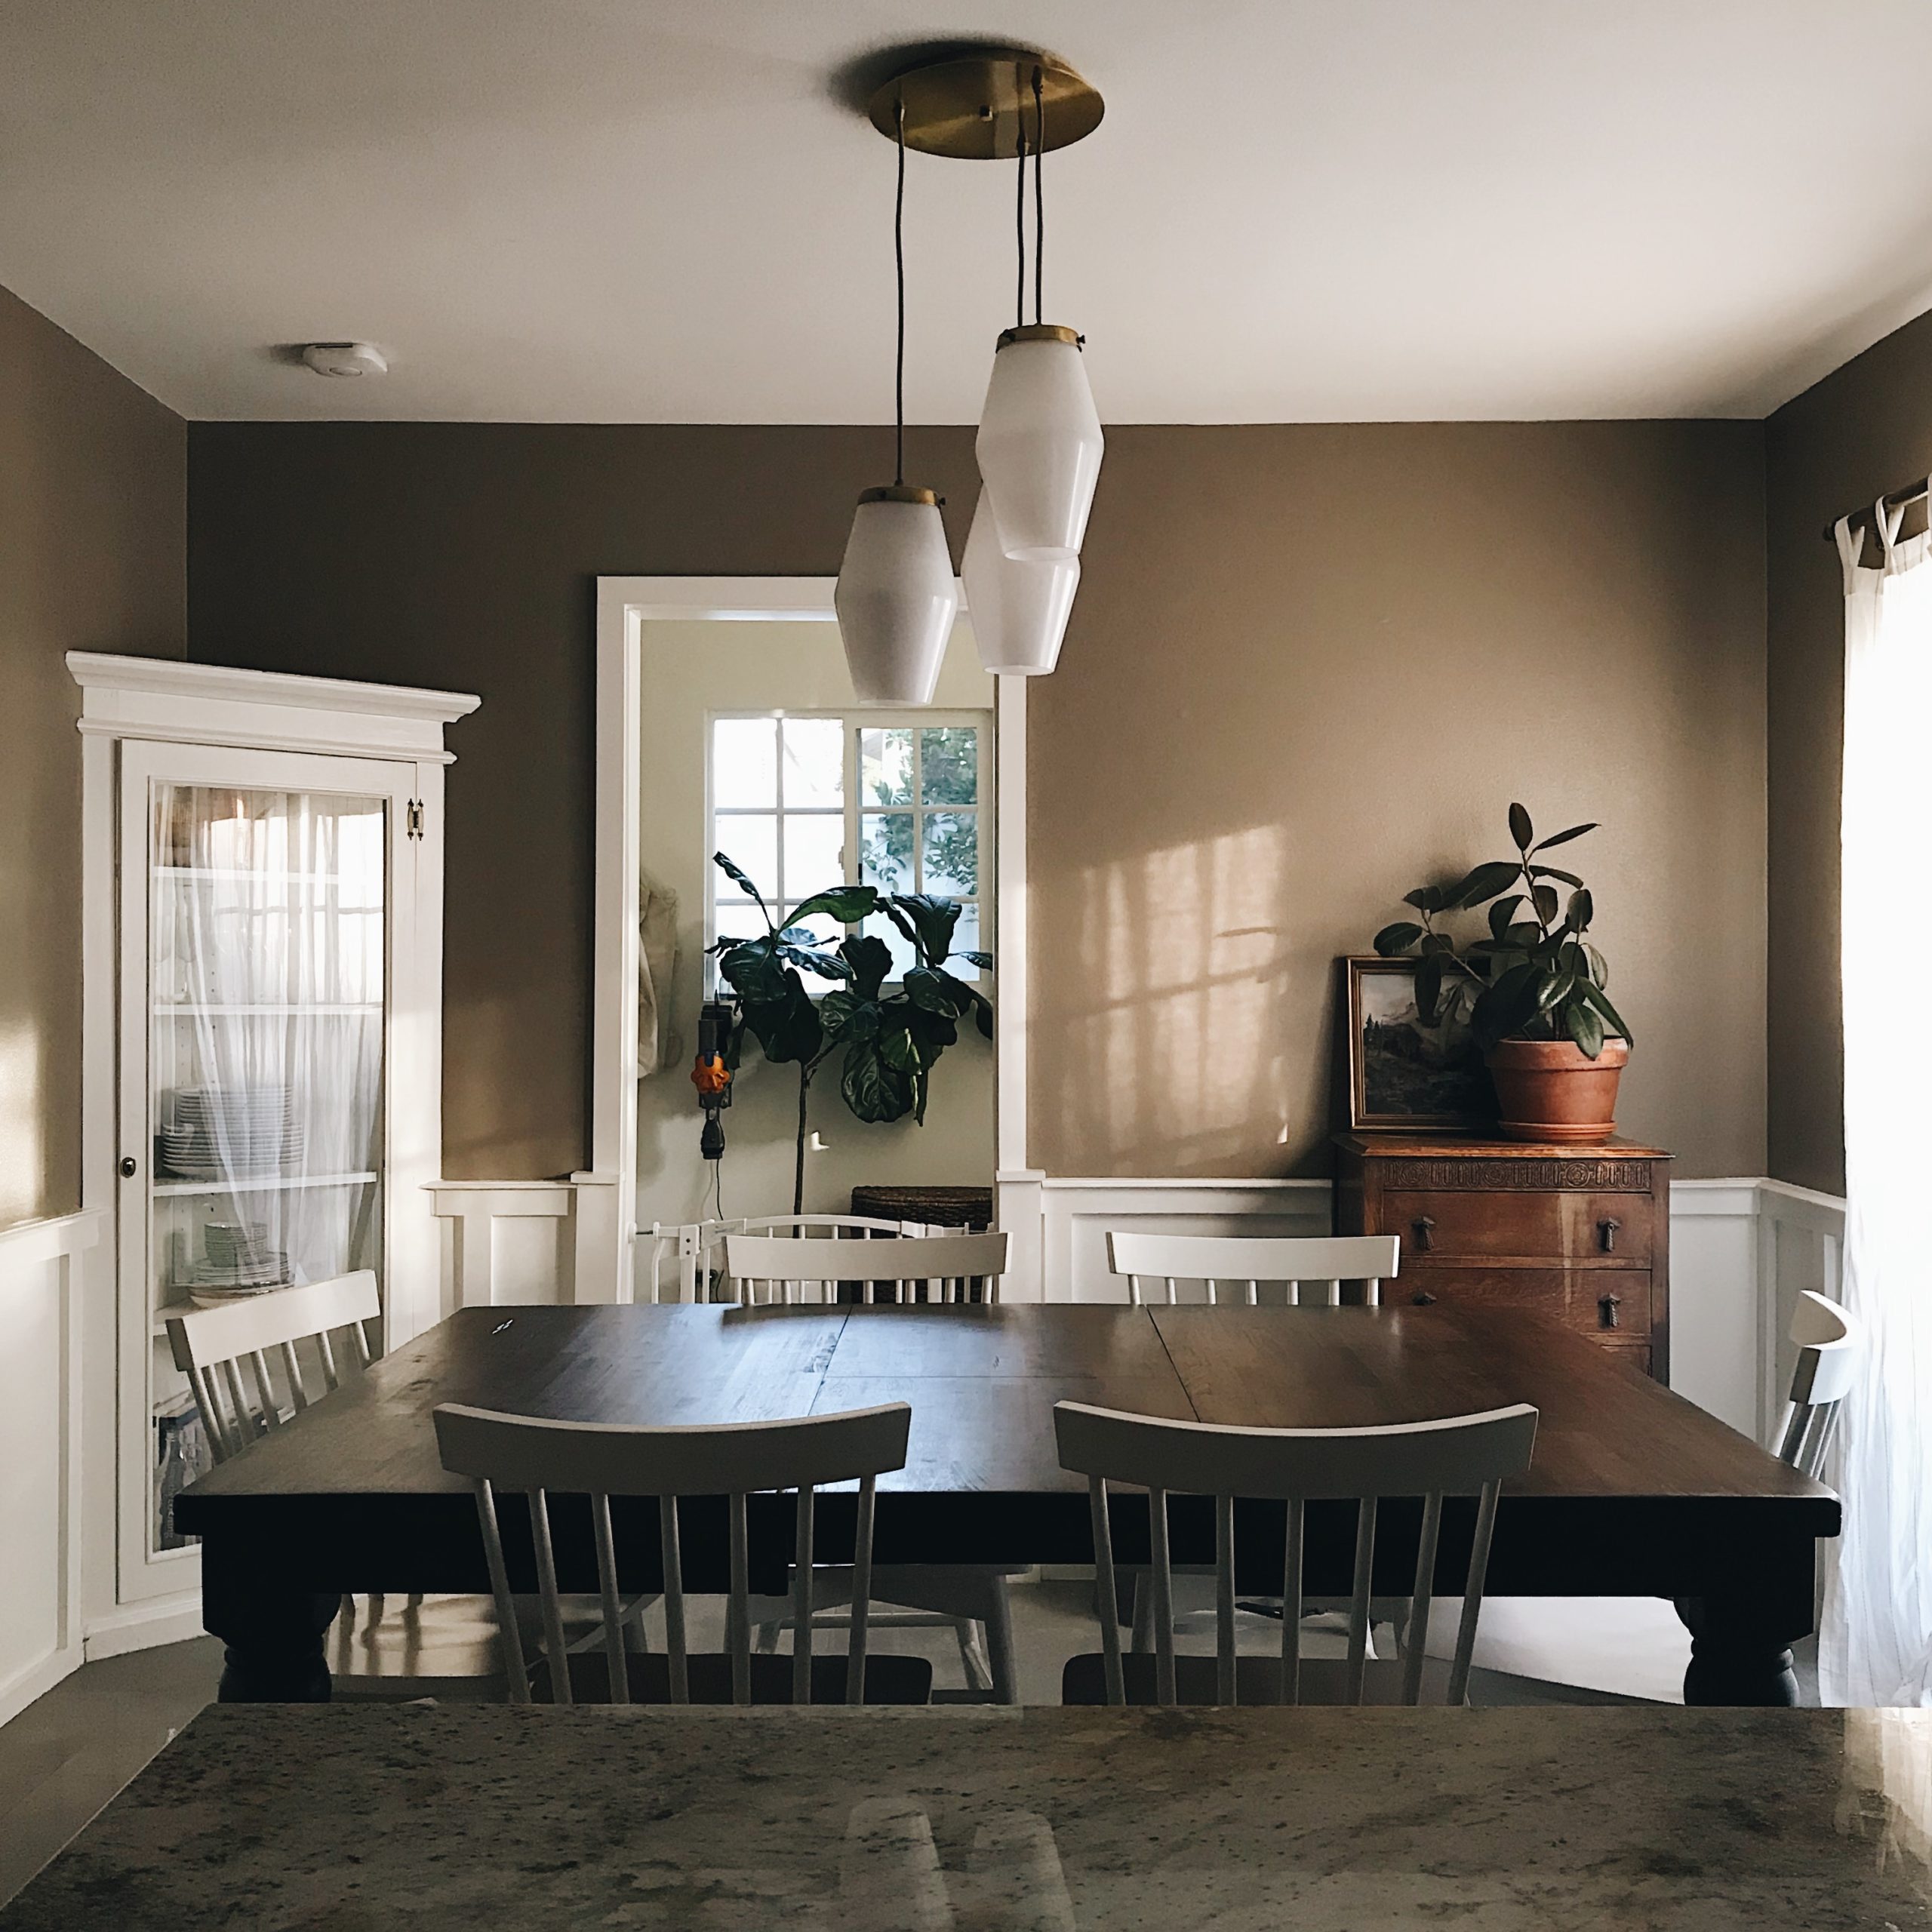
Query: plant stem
<point x="805" y="1070"/>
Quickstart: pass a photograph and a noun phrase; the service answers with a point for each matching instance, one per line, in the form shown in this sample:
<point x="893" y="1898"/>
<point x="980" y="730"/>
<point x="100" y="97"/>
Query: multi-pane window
<point x="803" y="802"/>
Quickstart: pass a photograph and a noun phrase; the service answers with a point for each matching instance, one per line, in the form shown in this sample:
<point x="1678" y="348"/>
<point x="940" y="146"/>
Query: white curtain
<point x="1875" y="1645"/>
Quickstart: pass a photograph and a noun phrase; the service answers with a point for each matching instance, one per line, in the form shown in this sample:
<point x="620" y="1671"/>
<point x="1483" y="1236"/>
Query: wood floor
<point x="65" y="1757"/>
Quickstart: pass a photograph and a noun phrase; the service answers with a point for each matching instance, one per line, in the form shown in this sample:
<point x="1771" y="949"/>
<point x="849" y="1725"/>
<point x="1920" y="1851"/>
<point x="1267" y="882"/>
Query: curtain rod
<point x="1911" y="493"/>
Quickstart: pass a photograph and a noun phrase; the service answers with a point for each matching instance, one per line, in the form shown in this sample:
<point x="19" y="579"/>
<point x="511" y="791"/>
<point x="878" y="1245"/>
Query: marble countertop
<point x="349" y="1819"/>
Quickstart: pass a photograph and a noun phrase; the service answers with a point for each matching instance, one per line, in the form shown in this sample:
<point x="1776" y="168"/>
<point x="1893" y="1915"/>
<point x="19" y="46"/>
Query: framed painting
<point x="1404" y="1076"/>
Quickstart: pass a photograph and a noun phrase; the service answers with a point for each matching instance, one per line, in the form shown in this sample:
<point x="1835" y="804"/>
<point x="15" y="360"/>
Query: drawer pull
<point x="1607" y="1307"/>
<point x="1606" y="1233"/>
<point x="1425" y="1231"/>
<point x="1424" y="1299"/>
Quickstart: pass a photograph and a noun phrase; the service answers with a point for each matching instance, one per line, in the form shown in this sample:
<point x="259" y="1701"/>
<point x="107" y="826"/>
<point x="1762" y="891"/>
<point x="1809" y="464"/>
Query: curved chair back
<point x="1316" y="1265"/>
<point x="1830" y="1345"/>
<point x="1463" y="1455"/>
<point x="932" y="1268"/>
<point x="599" y="1460"/>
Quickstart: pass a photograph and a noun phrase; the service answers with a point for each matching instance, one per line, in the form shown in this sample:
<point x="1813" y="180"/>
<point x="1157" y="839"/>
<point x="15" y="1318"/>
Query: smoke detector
<point x="346" y="358"/>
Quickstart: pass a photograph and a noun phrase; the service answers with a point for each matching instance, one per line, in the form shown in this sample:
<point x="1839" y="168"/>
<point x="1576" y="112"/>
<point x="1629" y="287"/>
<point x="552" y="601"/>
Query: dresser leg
<point x="1740" y="1652"/>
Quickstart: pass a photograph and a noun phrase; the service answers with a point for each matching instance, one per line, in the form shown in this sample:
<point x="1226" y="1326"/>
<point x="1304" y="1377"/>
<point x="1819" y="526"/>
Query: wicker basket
<point x="937" y="1207"/>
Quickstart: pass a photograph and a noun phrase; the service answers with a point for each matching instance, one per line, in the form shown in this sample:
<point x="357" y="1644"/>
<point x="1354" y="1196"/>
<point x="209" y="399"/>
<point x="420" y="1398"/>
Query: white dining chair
<point x="1305" y="1267"/>
<point x="1462" y="1456"/>
<point x="545" y="1461"/>
<point x="970" y="1600"/>
<point x="687" y="1258"/>
<point x="245" y="1363"/>
<point x="1637" y="1648"/>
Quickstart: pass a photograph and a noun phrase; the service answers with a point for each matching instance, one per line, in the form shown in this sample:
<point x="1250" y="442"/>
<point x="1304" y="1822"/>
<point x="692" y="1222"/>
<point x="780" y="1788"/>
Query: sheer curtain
<point x="1875" y="1646"/>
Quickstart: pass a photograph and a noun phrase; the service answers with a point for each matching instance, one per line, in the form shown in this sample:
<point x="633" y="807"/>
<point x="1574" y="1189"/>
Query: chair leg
<point x="999" y="1645"/>
<point x="972" y="1655"/>
<point x="1142" y="1640"/>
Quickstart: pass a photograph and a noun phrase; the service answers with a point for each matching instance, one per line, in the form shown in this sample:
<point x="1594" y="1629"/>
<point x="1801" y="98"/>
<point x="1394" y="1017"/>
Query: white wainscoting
<point x="46" y="1269"/>
<point x="1741" y="1250"/>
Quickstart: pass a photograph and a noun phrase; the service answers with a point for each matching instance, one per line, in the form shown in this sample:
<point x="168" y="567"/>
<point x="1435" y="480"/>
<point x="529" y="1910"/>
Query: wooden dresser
<point x="1580" y="1233"/>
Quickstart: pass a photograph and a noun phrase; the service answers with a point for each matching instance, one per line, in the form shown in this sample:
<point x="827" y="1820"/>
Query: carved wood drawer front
<point x="1581" y="1230"/>
<point x="1613" y="1306"/>
<point x="1596" y="1173"/>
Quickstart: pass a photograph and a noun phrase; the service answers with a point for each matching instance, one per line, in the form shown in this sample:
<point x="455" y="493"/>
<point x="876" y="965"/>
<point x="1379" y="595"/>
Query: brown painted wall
<point x="1309" y="664"/>
<point x="93" y="521"/>
<point x="1309" y="668"/>
<point x="1864" y="430"/>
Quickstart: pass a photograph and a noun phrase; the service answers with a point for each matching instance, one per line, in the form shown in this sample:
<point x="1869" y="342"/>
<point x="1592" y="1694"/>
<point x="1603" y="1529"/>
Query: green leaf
<point x="1485" y="882"/>
<point x="933" y="920"/>
<point x="1581" y="1023"/>
<point x="1429" y="988"/>
<point x="870" y="959"/>
<point x="788" y="1028"/>
<point x="1554" y="990"/>
<point x="1502" y="912"/>
<point x="984" y="961"/>
<point x="1582" y="910"/>
<point x="1521" y="829"/>
<point x="1550" y="871"/>
<point x="1598" y="998"/>
<point x="826" y="965"/>
<point x="1599" y="965"/>
<point x="1564" y="839"/>
<point x="1427" y="898"/>
<point x="1544" y="898"/>
<point x="1398" y="938"/>
<point x="743" y="879"/>
<point x="754" y="970"/>
<point x="848" y="904"/>
<point x="1507" y="1006"/>
<point x="900" y="1050"/>
<point x="928" y="989"/>
<point x="1523" y="934"/>
<point x="1435" y="943"/>
<point x="983" y="1015"/>
<point x="874" y="1091"/>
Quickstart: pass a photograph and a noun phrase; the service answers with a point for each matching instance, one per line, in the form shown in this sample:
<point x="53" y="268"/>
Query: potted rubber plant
<point x="1532" y="988"/>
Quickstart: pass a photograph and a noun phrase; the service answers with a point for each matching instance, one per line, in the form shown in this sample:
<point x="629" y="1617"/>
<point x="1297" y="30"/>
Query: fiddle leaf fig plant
<point x="890" y="1040"/>
<point x="1533" y="975"/>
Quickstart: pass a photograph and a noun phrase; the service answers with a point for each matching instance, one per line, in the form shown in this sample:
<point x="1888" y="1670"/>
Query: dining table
<point x="1632" y="1490"/>
<point x="446" y="1818"/>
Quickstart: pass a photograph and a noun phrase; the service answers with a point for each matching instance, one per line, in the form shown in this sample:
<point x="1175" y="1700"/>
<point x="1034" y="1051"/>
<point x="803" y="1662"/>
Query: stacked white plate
<point x="218" y="1133"/>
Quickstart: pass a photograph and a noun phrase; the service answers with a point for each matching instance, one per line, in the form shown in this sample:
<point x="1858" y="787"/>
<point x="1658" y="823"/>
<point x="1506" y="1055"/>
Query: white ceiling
<point x="1295" y="209"/>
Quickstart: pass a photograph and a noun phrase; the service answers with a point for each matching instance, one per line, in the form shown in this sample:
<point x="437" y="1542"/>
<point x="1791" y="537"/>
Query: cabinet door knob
<point x="1425" y="1230"/>
<point x="1606" y="1233"/>
<point x="1424" y="1299"/>
<point x="1607" y="1308"/>
<point x="127" y="1167"/>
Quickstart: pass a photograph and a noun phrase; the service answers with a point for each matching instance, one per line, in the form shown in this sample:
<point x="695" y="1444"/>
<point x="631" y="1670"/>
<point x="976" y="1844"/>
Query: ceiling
<point x="624" y="211"/>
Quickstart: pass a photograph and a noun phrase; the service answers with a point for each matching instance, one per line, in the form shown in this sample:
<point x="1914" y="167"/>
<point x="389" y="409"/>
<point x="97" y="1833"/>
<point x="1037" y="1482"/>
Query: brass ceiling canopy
<point x="972" y="107"/>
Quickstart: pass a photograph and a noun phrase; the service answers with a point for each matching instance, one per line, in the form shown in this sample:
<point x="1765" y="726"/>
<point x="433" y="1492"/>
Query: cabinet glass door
<point x="266" y="967"/>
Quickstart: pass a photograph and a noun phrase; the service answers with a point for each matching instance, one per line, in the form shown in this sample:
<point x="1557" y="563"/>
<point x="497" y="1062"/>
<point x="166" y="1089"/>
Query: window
<point x="804" y="801"/>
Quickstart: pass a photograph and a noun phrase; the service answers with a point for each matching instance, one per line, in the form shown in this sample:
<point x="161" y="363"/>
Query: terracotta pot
<point x="1546" y="1090"/>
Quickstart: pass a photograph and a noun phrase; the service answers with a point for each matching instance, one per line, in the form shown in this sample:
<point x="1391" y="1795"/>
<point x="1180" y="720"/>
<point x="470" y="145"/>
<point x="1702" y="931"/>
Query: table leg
<point x="1740" y="1651"/>
<point x="275" y="1639"/>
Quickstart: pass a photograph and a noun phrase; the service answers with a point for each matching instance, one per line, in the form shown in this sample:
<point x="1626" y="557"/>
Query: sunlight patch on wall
<point x="23" y="1122"/>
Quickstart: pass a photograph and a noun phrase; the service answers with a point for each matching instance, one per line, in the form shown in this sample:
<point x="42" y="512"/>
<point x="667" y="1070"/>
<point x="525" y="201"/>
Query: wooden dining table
<point x="1632" y="1491"/>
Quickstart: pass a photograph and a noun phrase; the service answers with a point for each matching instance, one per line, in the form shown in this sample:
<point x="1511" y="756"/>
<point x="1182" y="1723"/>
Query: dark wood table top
<point x="983" y="1382"/>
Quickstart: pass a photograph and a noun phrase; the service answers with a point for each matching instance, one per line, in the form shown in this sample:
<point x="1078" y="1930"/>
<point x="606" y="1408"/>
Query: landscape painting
<point x="1402" y="1073"/>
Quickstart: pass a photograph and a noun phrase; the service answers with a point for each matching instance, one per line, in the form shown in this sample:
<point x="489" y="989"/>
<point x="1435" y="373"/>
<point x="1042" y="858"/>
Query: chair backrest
<point x="600" y="1460"/>
<point x="941" y="1268"/>
<point x="687" y="1257"/>
<point x="210" y="1345"/>
<point x="1830" y="1343"/>
<point x="1462" y="1456"/>
<point x="1243" y="1262"/>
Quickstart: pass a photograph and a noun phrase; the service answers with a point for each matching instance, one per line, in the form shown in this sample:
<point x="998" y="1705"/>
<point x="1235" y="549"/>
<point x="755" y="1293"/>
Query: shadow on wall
<point x="1186" y="970"/>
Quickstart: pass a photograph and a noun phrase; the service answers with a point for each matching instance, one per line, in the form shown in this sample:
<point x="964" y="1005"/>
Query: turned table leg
<point x="1740" y="1650"/>
<point x="275" y="1636"/>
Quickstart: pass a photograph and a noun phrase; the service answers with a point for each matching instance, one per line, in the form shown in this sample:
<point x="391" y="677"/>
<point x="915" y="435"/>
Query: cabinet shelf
<point x="261" y="1183"/>
<point x="327" y="1009"/>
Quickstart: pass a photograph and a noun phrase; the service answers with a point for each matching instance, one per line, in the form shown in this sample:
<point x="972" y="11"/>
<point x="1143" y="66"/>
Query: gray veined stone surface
<point x="1031" y="1820"/>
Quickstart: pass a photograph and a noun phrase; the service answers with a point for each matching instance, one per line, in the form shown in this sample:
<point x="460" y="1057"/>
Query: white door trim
<point x="607" y="1197"/>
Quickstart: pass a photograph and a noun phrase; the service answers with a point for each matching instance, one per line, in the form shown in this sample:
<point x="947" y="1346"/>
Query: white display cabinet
<point x="263" y="991"/>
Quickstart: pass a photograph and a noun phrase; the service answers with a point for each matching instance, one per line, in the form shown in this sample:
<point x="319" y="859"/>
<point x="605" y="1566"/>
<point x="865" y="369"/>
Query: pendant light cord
<point x="1019" y="234"/>
<point x="899" y="265"/>
<point x="1039" y="193"/>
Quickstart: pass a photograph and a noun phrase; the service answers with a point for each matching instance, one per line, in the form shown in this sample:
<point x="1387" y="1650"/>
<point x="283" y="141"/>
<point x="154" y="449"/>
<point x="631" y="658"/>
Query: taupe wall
<point x="1864" y="430"/>
<point x="92" y="510"/>
<point x="1309" y="668"/>
<point x="1309" y="664"/>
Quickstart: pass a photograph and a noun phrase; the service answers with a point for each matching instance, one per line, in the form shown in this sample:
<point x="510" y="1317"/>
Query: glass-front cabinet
<point x="275" y="1106"/>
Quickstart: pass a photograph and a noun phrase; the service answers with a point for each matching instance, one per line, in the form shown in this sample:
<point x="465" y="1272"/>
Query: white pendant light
<point x="896" y="596"/>
<point x="1040" y="443"/>
<point x="1019" y="607"/>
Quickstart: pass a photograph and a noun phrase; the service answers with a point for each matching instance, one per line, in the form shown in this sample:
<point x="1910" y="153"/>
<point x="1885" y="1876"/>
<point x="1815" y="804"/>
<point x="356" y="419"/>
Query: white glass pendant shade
<point x="896" y="596"/>
<point x="1019" y="607"/>
<point x="1040" y="443"/>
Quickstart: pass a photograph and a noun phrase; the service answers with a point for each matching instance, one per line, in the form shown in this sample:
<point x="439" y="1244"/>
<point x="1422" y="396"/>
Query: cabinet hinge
<point x="412" y="823"/>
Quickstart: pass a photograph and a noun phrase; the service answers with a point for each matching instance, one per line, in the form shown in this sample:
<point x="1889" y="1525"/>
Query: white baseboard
<point x="25" y="1686"/>
<point x="142" y="1626"/>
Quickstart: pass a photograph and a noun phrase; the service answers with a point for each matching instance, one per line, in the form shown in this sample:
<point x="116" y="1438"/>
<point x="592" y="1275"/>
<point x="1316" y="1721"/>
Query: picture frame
<point x="1401" y="1076"/>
